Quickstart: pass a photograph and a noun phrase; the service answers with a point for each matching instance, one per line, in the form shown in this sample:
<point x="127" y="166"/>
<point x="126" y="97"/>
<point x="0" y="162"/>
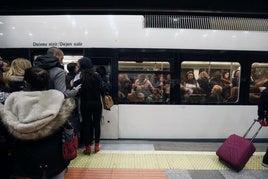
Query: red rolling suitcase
<point x="236" y="151"/>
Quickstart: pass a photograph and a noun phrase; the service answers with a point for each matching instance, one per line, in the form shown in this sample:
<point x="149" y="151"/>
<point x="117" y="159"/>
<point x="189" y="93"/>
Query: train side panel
<point x="185" y="121"/>
<point x="119" y="31"/>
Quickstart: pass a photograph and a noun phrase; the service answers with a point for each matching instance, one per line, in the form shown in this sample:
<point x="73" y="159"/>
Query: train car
<point x="162" y="68"/>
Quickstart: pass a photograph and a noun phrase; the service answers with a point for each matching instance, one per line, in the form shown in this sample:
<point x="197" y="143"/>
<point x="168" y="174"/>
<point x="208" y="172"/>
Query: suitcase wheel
<point x="228" y="165"/>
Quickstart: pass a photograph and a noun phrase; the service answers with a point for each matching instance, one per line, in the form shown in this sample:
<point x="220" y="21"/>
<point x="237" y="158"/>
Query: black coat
<point x="39" y="157"/>
<point x="90" y="95"/>
<point x="263" y="104"/>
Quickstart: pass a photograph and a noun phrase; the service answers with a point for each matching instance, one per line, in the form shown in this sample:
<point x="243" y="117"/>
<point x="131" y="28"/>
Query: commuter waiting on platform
<point x="262" y="117"/>
<point x="4" y="65"/>
<point x="57" y="74"/>
<point x="91" y="106"/>
<point x="57" y="53"/>
<point x="13" y="78"/>
<point x="72" y="70"/>
<point x="34" y="118"/>
<point x="11" y="81"/>
<point x="103" y="74"/>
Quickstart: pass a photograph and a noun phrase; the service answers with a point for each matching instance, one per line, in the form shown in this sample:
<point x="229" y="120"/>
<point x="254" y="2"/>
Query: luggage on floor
<point x="236" y="151"/>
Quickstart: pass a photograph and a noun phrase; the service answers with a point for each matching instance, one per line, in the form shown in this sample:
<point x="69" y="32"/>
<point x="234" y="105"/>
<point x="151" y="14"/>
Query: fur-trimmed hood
<point x="35" y="114"/>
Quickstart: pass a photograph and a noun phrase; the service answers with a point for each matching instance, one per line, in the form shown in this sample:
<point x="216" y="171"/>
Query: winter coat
<point x="56" y="73"/>
<point x="263" y="104"/>
<point x="35" y="119"/>
<point x="15" y="83"/>
<point x="90" y="96"/>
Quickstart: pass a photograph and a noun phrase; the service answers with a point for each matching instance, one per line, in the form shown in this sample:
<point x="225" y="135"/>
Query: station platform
<point x="148" y="160"/>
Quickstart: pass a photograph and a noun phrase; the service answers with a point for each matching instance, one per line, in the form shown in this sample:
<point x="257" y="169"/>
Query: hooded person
<point x="56" y="73"/>
<point x="34" y="118"/>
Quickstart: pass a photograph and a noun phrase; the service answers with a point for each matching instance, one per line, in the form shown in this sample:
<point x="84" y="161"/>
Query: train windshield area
<point x="143" y="82"/>
<point x="209" y="82"/>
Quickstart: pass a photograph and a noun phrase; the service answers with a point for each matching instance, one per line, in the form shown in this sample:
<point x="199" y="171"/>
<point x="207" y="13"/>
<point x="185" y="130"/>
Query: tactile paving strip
<point x="158" y="160"/>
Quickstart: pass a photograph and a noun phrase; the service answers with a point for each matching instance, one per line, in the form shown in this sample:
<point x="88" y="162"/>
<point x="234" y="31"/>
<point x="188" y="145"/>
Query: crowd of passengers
<point x="218" y="88"/>
<point x="145" y="88"/>
<point x="156" y="88"/>
<point x="36" y="101"/>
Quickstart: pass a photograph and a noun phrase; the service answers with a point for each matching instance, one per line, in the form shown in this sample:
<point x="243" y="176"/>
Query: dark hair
<point x="85" y="63"/>
<point x="37" y="78"/>
<point x="71" y="67"/>
<point x="87" y="70"/>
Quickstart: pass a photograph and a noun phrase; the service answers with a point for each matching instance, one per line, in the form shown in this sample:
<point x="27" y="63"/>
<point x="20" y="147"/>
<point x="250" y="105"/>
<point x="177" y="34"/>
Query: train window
<point x="209" y="82"/>
<point x="258" y="81"/>
<point x="144" y="82"/>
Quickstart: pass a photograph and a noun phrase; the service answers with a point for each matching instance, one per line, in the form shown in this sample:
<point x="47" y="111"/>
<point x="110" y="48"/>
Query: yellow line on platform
<point x="158" y="160"/>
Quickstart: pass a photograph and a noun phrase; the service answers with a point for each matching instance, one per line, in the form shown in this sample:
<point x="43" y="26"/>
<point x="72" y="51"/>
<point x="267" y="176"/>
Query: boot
<point x="265" y="159"/>
<point x="97" y="147"/>
<point x="87" y="151"/>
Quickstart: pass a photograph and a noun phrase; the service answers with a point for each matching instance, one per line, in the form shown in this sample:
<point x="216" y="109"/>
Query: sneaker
<point x="97" y="147"/>
<point x="87" y="151"/>
<point x="265" y="164"/>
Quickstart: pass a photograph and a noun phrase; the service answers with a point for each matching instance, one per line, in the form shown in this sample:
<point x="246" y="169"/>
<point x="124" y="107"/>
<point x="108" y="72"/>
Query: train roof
<point x="218" y="7"/>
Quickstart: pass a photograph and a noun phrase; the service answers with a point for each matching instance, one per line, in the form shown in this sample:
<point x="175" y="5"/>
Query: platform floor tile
<point x="178" y="174"/>
<point x="245" y="174"/>
<point x="82" y="173"/>
<point x="206" y="174"/>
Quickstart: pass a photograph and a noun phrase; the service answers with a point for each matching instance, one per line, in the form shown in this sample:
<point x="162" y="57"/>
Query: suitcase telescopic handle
<point x="256" y="133"/>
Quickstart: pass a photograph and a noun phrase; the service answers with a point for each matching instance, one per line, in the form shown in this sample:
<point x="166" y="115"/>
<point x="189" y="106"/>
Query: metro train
<point x="148" y="58"/>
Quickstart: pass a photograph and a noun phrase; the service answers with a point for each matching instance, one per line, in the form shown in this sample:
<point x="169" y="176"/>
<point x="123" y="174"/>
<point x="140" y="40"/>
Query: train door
<point x="109" y="121"/>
